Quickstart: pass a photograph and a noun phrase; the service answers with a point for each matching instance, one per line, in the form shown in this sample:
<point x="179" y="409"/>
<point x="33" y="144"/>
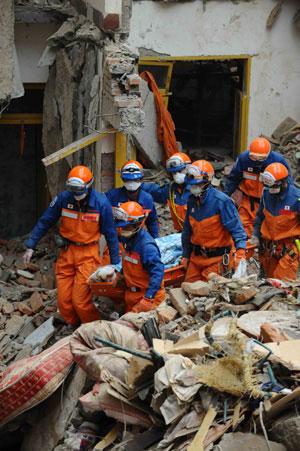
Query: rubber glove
<point x="27" y="256"/>
<point x="145" y="305"/>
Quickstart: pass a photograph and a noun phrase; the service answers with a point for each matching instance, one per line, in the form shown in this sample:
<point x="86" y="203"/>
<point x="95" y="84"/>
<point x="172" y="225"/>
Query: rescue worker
<point x="277" y="224"/>
<point x="175" y="193"/>
<point x="84" y="214"/>
<point x="211" y="226"/>
<point x="245" y="177"/>
<point x="143" y="269"/>
<point x="132" y="174"/>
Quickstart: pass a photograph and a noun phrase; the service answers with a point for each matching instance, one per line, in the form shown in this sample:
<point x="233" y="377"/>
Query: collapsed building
<point x="227" y="71"/>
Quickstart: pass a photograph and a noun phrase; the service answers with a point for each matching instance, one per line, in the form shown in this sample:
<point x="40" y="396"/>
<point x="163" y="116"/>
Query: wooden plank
<point x="108" y="439"/>
<point x="197" y="443"/>
<point x="236" y="415"/>
<point x="75" y="146"/>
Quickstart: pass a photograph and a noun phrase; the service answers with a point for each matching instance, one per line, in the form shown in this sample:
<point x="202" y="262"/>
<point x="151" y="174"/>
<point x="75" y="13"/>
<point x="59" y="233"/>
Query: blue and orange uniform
<point x="143" y="272"/>
<point x="81" y="224"/>
<point x="245" y="176"/>
<point x="117" y="196"/>
<point x="278" y="225"/>
<point x="173" y="194"/>
<point x="212" y="225"/>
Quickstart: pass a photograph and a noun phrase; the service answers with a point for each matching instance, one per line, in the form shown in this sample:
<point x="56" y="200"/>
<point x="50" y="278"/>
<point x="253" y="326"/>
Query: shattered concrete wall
<point x="71" y="95"/>
<point x="231" y="28"/>
<point x="7" y="21"/>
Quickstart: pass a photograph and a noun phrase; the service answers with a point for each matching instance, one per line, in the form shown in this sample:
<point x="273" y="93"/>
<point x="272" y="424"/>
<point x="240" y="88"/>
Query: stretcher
<point x="173" y="277"/>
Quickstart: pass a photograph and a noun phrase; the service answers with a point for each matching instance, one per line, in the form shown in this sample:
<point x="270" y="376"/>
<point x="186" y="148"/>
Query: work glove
<point x="105" y="273"/>
<point x="254" y="240"/>
<point x="145" y="305"/>
<point x="27" y="256"/>
<point x="185" y="262"/>
<point x="240" y="264"/>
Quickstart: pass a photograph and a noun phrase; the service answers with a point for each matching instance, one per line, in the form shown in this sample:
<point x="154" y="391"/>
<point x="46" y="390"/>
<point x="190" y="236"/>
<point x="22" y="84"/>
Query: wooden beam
<point x="75" y="146"/>
<point x="197" y="443"/>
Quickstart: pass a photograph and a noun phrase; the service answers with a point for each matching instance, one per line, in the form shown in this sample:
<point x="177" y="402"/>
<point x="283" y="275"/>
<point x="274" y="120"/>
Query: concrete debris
<point x="122" y="102"/>
<point x="286" y="140"/>
<point x="238" y="440"/>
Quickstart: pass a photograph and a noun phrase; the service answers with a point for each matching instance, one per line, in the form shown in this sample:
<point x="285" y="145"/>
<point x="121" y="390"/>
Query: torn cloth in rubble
<point x="95" y="359"/>
<point x="100" y="399"/>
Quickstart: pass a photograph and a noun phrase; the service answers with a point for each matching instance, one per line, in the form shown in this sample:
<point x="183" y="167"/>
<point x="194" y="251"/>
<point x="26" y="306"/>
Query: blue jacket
<point x="144" y="245"/>
<point x="287" y="204"/>
<point x="210" y="221"/>
<point x="117" y="196"/>
<point x="161" y="194"/>
<point x="97" y="202"/>
<point x="244" y="163"/>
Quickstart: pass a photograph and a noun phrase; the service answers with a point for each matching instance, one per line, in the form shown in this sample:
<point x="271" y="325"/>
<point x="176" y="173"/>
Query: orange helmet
<point x="260" y="148"/>
<point x="129" y="213"/>
<point x="200" y="171"/>
<point x="79" y="180"/>
<point x="275" y="172"/>
<point x="177" y="162"/>
<point x="132" y="170"/>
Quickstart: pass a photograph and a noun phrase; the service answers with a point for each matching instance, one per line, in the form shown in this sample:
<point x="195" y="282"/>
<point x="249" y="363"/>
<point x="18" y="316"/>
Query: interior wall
<point x="227" y="28"/>
<point x="31" y="40"/>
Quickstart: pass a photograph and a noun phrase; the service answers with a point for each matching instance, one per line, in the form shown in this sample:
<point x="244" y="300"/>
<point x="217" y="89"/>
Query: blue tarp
<point x="171" y="249"/>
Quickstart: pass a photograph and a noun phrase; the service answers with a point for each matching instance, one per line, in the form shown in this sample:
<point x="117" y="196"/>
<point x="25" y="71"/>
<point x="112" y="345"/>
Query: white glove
<point x="254" y="240"/>
<point x="241" y="270"/>
<point x="27" y="256"/>
<point x="104" y="273"/>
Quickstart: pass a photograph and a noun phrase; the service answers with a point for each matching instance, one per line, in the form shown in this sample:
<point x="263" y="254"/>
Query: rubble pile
<point x="286" y="140"/>
<point x="224" y="358"/>
<point x="27" y="300"/>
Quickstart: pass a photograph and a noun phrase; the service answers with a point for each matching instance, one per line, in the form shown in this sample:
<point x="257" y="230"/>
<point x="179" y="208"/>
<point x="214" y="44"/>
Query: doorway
<point x="208" y="98"/>
<point x="23" y="186"/>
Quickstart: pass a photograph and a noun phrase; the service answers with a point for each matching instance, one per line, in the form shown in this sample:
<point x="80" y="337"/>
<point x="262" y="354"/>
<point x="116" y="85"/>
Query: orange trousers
<point x="283" y="268"/>
<point x="133" y="300"/>
<point x="247" y="215"/>
<point x="200" y="266"/>
<point x="73" y="268"/>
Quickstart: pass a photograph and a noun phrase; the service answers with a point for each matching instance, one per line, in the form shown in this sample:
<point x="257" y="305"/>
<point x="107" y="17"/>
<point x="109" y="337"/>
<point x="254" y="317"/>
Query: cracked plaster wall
<point x="226" y="28"/>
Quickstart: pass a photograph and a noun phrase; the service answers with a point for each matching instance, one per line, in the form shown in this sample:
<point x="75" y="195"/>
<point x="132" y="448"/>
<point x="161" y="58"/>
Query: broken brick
<point x="198" y="288"/>
<point x="7" y="308"/>
<point x="25" y="274"/>
<point x="29" y="283"/>
<point x="166" y="314"/>
<point x="244" y="294"/>
<point x="25" y="309"/>
<point x="36" y="302"/>
<point x="181" y="302"/>
<point x="269" y="333"/>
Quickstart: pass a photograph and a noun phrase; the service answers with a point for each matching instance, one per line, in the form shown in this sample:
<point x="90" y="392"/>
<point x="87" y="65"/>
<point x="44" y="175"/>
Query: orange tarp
<point x="165" y="124"/>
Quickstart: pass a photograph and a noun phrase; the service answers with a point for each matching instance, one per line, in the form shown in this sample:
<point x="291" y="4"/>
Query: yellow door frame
<point x="244" y="113"/>
<point x="169" y="64"/>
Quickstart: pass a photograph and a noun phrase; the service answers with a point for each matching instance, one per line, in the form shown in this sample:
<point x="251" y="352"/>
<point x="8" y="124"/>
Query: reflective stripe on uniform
<point x="69" y="214"/>
<point x="248" y="176"/>
<point x="131" y="260"/>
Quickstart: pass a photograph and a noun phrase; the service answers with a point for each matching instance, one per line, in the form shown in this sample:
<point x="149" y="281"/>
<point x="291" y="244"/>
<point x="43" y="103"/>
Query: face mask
<point x="132" y="186"/>
<point x="196" y="190"/>
<point x="179" y="178"/>
<point x="275" y="190"/>
<point x="80" y="196"/>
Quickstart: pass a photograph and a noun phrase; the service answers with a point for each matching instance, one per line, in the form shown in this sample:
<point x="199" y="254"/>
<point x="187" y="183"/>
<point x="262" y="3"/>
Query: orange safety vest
<point x="210" y="232"/>
<point x="80" y="227"/>
<point x="284" y="226"/>
<point x="251" y="186"/>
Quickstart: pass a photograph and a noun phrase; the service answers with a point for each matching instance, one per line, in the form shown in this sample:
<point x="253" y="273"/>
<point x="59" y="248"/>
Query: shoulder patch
<point x="53" y="202"/>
